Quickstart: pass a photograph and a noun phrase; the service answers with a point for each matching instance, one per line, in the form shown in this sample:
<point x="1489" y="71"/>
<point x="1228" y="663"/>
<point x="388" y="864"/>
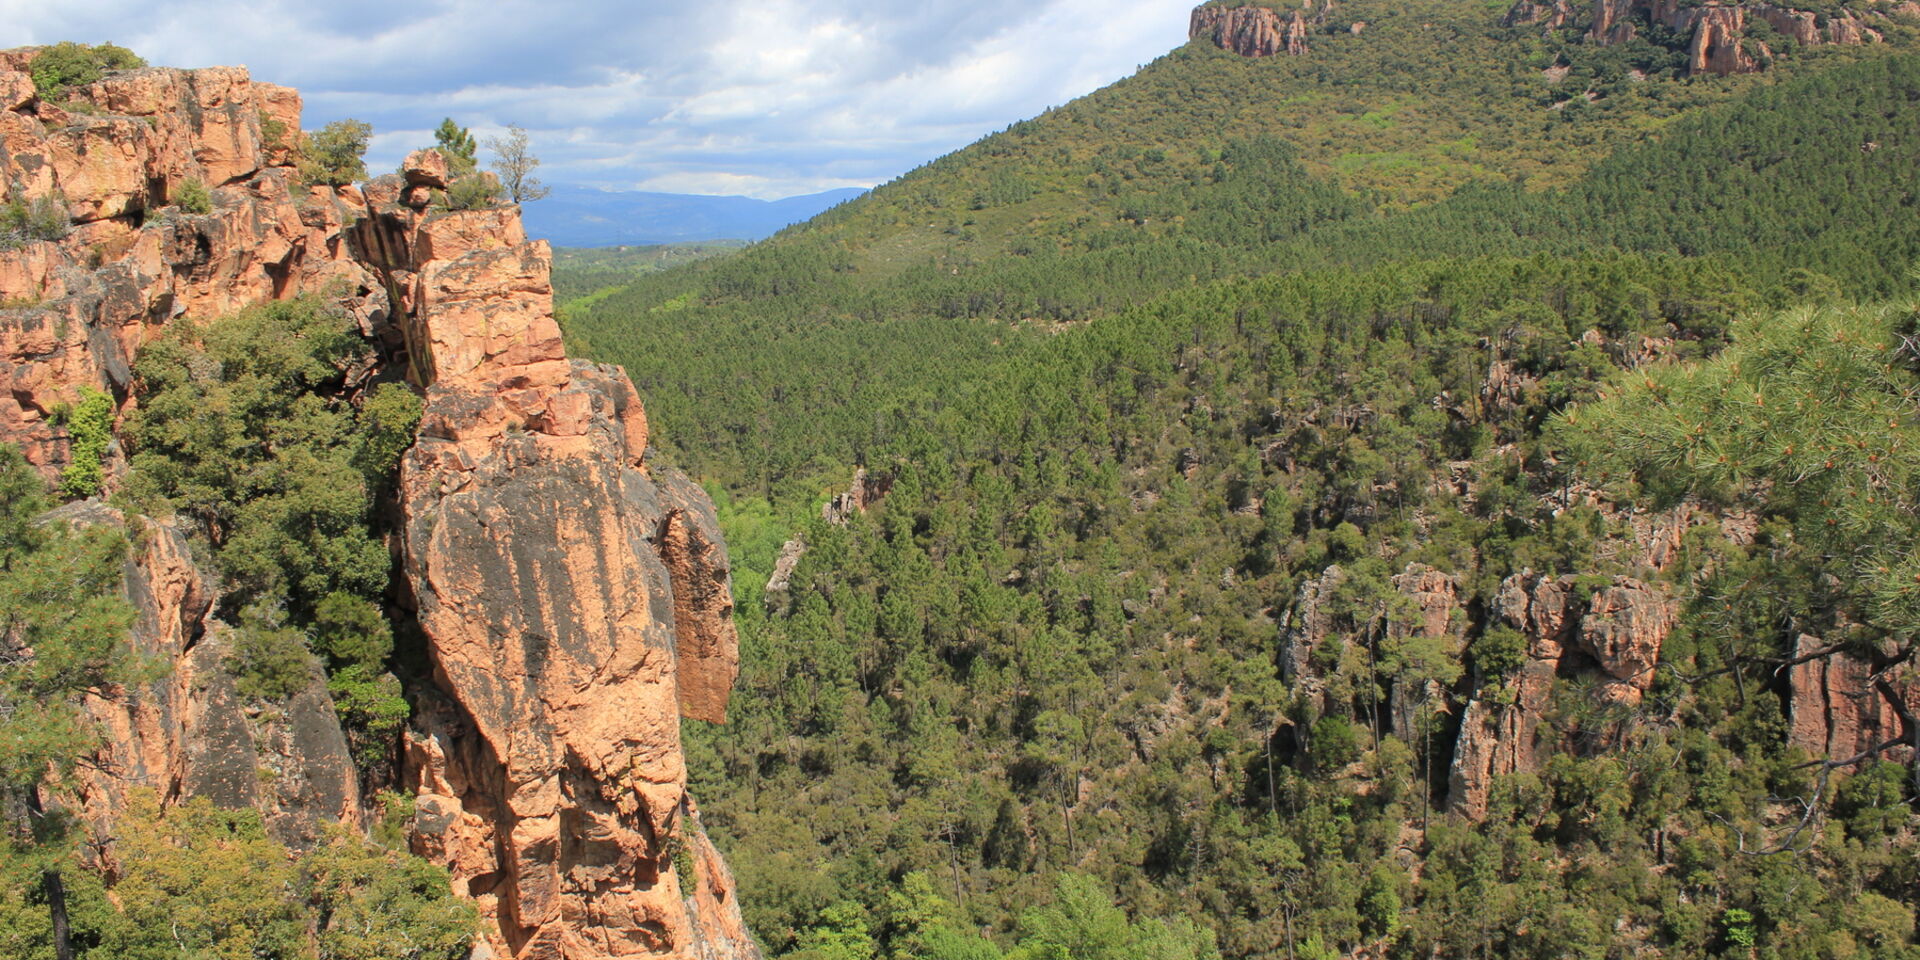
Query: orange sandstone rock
<point x="1254" y="31"/>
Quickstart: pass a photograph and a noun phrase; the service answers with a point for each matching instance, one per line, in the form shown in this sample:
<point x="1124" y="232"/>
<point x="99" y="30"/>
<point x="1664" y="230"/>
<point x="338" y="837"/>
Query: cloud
<point x="784" y="97"/>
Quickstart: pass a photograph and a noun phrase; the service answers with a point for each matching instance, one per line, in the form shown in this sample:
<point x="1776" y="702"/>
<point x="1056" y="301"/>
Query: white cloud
<point x="785" y="97"/>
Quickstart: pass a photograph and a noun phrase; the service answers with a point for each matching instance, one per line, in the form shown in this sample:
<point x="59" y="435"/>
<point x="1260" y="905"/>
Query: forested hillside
<point x="1336" y="502"/>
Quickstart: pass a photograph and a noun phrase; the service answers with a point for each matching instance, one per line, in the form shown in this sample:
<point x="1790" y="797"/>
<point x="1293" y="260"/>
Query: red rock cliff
<point x="1720" y="32"/>
<point x="576" y="603"/>
<point x="575" y="600"/>
<point x="1258" y="31"/>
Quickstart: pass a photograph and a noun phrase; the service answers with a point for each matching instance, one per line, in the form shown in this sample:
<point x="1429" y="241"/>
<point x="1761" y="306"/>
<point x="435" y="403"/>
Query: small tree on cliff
<point x="515" y="164"/>
<point x="63" y="630"/>
<point x="332" y="156"/>
<point x="458" y="144"/>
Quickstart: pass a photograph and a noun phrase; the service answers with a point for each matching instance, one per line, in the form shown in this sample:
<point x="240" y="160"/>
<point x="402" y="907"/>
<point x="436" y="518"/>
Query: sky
<point x="767" y="99"/>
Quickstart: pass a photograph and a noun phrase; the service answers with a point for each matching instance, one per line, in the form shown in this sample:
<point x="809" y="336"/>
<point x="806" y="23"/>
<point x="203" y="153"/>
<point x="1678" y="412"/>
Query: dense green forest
<point x="1142" y="369"/>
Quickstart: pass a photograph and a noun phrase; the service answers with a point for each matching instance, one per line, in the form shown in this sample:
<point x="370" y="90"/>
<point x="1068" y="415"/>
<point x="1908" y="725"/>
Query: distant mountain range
<point x="586" y="217"/>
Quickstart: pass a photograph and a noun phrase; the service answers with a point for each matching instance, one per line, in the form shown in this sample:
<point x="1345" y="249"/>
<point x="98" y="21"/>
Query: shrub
<point x="332" y="156"/>
<point x="42" y="218"/>
<point x="1335" y="743"/>
<point x="194" y="198"/>
<point x="66" y="65"/>
<point x="269" y="660"/>
<point x="475" y="191"/>
<point x="89" y="429"/>
<point x="1500" y="652"/>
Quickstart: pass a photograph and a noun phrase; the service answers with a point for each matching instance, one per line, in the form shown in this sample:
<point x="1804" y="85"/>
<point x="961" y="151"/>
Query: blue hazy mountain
<point x="586" y="217"/>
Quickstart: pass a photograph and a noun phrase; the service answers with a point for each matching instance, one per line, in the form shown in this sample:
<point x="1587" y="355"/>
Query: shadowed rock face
<point x="189" y="733"/>
<point x="1844" y="706"/>
<point x="1612" y="637"/>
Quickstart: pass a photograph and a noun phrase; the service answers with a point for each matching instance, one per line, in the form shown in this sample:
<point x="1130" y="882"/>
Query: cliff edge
<point x="574" y="600"/>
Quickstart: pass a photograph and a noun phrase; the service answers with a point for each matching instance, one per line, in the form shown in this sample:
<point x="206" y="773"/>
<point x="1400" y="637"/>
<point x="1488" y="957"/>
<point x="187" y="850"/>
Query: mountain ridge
<point x="573" y="216"/>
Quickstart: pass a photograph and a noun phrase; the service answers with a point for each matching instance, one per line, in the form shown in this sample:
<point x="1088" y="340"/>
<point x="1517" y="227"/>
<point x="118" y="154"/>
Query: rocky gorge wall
<point x="1259" y="31"/>
<point x="574" y="599"/>
<point x="1720" y="35"/>
<point x="1590" y="654"/>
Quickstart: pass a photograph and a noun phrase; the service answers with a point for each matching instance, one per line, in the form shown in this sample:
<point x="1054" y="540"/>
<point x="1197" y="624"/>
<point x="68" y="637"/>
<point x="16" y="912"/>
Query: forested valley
<point x="1222" y="437"/>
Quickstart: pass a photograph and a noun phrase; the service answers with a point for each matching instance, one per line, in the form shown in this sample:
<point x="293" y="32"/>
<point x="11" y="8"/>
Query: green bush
<point x="193" y="197"/>
<point x="63" y="66"/>
<point x="42" y="218"/>
<point x="1335" y="743"/>
<point x="332" y="156"/>
<point x="90" y="428"/>
<point x="269" y="660"/>
<point x="475" y="191"/>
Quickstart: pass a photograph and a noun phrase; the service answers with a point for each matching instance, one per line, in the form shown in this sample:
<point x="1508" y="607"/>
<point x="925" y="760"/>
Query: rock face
<point x="866" y="490"/>
<point x="1259" y="31"/>
<point x="575" y="601"/>
<point x="74" y="310"/>
<point x="1720" y="43"/>
<point x="190" y="733"/>
<point x="1610" y="633"/>
<point x="1842" y="707"/>
<point x="576" y="604"/>
<point x="1547" y="15"/>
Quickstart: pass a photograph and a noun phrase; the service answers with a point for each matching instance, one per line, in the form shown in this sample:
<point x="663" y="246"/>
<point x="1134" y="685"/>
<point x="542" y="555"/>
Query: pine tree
<point x="63" y="632"/>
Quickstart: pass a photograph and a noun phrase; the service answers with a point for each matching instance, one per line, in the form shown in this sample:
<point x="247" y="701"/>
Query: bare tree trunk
<point x="53" y="887"/>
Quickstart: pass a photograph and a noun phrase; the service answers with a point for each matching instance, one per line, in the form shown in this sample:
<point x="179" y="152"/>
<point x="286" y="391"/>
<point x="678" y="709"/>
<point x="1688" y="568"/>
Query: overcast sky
<point x="769" y="99"/>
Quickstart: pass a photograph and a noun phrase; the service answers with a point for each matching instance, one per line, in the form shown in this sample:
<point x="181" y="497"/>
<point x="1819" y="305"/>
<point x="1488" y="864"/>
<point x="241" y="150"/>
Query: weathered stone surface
<point x="865" y="491"/>
<point x="1499" y="739"/>
<point x="131" y="262"/>
<point x="1718" y="30"/>
<point x="791" y="554"/>
<point x="1433" y="610"/>
<point x="1548" y="15"/>
<point x="425" y="168"/>
<point x="1309" y="626"/>
<point x="1842" y="707"/>
<point x="575" y="604"/>
<point x="189" y="733"/>
<point x="1623" y="628"/>
<point x="1254" y="31"/>
<point x="1613" y="633"/>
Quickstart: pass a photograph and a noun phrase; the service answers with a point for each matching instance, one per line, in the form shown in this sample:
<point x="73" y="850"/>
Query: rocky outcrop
<point x="1545" y="15"/>
<point x="576" y="604"/>
<point x="74" y="310"/>
<point x="1259" y="31"/>
<point x="189" y="732"/>
<point x="1720" y="40"/>
<point x="1846" y="708"/>
<point x="575" y="600"/>
<point x="1431" y="609"/>
<point x="866" y="490"/>
<point x="1609" y="632"/>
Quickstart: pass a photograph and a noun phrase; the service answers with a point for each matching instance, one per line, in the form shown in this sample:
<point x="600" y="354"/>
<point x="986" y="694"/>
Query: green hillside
<point x="1143" y="368"/>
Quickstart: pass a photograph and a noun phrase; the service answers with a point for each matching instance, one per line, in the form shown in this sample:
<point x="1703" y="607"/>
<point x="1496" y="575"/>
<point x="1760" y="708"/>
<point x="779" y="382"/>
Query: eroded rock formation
<point x="75" y="310"/>
<point x="1259" y="31"/>
<point x="576" y="603"/>
<point x="1547" y="15"/>
<point x="575" y="600"/>
<point x="1844" y="707"/>
<point x="1610" y="633"/>
<point x="1720" y="35"/>
<point x="189" y="732"/>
